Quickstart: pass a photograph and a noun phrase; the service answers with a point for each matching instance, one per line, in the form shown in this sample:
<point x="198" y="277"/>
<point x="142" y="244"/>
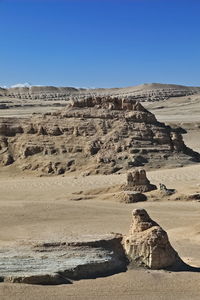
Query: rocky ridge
<point x="144" y="92"/>
<point x="98" y="135"/>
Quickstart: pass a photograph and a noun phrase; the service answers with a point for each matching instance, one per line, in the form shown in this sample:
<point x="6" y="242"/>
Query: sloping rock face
<point x="138" y="181"/>
<point x="147" y="244"/>
<point x="101" y="135"/>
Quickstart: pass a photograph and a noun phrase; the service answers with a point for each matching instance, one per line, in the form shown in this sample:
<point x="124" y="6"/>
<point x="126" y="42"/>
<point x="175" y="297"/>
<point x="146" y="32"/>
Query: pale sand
<point x="174" y="110"/>
<point x="42" y="209"/>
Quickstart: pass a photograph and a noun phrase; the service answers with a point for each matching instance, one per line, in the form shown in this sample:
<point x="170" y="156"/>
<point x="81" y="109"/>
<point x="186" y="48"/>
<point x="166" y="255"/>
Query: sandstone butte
<point x="99" y="135"/>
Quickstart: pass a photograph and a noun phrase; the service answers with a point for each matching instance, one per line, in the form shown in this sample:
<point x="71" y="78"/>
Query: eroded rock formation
<point x="147" y="244"/>
<point x="144" y="92"/>
<point x="138" y="181"/>
<point x="100" y="135"/>
<point x="131" y="197"/>
<point x="88" y="257"/>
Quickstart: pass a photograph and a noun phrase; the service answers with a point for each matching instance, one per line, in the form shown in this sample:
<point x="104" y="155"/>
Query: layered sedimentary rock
<point x="40" y="92"/>
<point x="136" y="184"/>
<point x="60" y="262"/>
<point x="138" y="181"/>
<point x="144" y="92"/>
<point x="100" y="135"/>
<point x="147" y="244"/>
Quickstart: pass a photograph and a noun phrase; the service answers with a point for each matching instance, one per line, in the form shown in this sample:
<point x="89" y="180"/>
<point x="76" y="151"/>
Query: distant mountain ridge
<point x="144" y="92"/>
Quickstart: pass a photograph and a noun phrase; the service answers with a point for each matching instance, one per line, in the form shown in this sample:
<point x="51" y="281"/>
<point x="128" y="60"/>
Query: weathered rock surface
<point x="100" y="135"/>
<point x="131" y="197"/>
<point x="138" y="181"/>
<point x="60" y="262"/>
<point x="147" y="244"/>
<point x="165" y="191"/>
<point x="52" y="263"/>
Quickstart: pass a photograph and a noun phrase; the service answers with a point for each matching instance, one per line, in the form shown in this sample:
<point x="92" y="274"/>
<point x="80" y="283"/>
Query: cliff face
<point x="97" y="134"/>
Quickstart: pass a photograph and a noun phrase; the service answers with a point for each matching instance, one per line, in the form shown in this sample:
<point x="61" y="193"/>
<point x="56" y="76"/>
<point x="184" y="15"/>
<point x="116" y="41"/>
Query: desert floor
<point x="59" y="208"/>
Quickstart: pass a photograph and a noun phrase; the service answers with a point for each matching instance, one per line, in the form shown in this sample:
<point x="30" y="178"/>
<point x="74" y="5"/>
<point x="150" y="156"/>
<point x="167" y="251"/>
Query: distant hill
<point x="144" y="92"/>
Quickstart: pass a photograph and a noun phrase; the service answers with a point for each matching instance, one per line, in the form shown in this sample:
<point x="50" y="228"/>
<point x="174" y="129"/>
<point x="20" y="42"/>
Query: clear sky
<point x="99" y="43"/>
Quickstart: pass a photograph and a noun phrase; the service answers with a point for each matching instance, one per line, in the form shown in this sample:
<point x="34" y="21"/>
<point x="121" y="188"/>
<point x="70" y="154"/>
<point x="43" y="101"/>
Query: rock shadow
<point x="183" y="267"/>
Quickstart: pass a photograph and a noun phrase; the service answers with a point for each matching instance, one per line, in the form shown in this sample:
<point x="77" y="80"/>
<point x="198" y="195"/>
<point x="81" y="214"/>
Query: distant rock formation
<point x="144" y="92"/>
<point x="99" y="135"/>
<point x="138" y="181"/>
<point x="147" y="244"/>
<point x="131" y="197"/>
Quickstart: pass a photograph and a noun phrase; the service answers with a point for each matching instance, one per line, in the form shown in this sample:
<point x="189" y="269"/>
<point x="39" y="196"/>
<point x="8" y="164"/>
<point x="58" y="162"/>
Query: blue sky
<point x="99" y="43"/>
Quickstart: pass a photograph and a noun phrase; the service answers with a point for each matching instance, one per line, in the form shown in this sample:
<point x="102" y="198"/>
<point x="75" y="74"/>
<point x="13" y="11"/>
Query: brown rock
<point x="83" y="258"/>
<point x="132" y="197"/>
<point x="147" y="244"/>
<point x="109" y="132"/>
<point x="138" y="181"/>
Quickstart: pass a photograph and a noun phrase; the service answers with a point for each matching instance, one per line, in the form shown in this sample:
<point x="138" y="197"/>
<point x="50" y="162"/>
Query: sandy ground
<point x="176" y="110"/>
<point x="56" y="208"/>
<point x="43" y="209"/>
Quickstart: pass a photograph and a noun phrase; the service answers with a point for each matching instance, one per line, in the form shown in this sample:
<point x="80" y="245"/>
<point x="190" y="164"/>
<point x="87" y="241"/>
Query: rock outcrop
<point x="131" y="197"/>
<point x="138" y="181"/>
<point x="100" y="135"/>
<point x="88" y="257"/>
<point x="165" y="191"/>
<point x="147" y="244"/>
